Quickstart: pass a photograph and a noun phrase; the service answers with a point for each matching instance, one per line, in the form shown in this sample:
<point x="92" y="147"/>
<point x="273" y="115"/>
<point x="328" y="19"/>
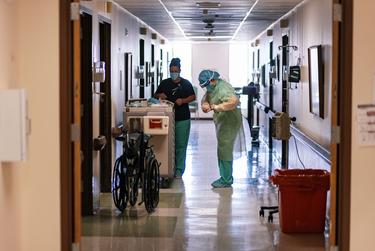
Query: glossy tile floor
<point x="193" y="216"/>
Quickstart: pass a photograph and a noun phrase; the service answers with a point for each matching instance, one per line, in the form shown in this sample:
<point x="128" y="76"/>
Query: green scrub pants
<point x="182" y="131"/>
<point x="226" y="178"/>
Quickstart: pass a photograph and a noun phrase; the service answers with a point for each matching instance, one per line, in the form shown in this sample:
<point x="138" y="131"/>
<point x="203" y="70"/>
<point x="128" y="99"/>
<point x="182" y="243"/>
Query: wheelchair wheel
<point x="151" y="183"/>
<point x="132" y="185"/>
<point x="119" y="191"/>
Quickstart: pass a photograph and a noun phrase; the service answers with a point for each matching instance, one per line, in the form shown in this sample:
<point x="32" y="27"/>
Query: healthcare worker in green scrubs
<point x="179" y="91"/>
<point x="221" y="98"/>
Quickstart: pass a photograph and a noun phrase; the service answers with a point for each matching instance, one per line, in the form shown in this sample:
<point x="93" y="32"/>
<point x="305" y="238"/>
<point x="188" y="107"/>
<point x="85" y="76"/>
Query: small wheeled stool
<point x="272" y="210"/>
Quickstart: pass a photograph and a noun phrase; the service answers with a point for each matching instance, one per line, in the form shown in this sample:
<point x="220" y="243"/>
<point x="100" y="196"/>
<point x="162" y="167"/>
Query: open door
<point x="142" y="83"/>
<point x="128" y="76"/>
<point x="105" y="110"/>
<point x="70" y="124"/>
<point x="77" y="123"/>
<point x="285" y="97"/>
<point x="86" y="104"/>
<point x="270" y="95"/>
<point x="342" y="51"/>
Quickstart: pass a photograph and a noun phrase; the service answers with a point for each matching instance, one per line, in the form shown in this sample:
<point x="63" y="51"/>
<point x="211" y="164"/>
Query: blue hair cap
<point x="205" y="76"/>
<point x="175" y="62"/>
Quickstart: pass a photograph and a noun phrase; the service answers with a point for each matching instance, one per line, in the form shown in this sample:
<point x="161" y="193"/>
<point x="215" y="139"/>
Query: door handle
<point x="99" y="143"/>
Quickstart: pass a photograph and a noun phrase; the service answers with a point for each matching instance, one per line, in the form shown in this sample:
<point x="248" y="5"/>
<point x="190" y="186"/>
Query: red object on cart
<point x="302" y="199"/>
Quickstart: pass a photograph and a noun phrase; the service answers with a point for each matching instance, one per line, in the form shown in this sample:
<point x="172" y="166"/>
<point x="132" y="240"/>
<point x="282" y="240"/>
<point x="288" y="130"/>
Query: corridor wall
<point x="30" y="191"/>
<point x="309" y="25"/>
<point x="125" y="37"/>
<point x="362" y="215"/>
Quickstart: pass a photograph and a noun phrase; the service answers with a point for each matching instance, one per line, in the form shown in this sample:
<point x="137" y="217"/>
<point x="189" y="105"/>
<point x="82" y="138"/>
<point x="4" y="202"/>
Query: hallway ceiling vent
<point x="211" y="33"/>
<point x="208" y="19"/>
<point x="209" y="26"/>
<point x="284" y="23"/>
<point x="143" y="30"/>
<point x="208" y="5"/>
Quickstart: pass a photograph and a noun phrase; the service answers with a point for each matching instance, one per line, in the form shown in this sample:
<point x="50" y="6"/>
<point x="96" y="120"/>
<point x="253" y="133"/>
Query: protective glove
<point x="231" y="104"/>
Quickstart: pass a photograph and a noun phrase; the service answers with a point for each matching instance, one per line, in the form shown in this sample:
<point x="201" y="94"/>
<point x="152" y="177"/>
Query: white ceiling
<point x="193" y="19"/>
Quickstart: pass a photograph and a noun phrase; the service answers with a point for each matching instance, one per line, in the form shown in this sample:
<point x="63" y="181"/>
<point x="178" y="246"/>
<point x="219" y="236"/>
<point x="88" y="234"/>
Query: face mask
<point x="175" y="75"/>
<point x="210" y="88"/>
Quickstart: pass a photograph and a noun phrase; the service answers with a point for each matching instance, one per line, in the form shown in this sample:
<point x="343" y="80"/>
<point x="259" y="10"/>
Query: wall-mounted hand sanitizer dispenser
<point x="98" y="72"/>
<point x="280" y="126"/>
<point x="13" y="125"/>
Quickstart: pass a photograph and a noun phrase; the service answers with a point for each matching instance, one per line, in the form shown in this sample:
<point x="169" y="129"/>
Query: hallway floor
<point x="193" y="216"/>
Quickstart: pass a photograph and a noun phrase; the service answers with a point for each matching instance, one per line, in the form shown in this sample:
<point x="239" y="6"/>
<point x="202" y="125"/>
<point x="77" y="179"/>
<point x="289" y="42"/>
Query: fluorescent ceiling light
<point x="208" y="5"/>
<point x="212" y="37"/>
<point x="174" y="20"/>
<point x="243" y="21"/>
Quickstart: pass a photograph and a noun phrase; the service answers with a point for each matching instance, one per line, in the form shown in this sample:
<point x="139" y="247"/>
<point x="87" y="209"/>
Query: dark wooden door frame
<point x="105" y="112"/>
<point x="345" y="120"/>
<point x="66" y="113"/>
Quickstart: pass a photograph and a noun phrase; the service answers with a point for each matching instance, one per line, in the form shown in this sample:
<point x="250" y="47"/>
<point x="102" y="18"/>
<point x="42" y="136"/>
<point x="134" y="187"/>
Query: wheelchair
<point x="136" y="168"/>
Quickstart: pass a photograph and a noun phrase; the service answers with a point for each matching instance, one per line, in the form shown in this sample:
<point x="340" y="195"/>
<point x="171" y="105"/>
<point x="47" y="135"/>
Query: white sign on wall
<point x="366" y="124"/>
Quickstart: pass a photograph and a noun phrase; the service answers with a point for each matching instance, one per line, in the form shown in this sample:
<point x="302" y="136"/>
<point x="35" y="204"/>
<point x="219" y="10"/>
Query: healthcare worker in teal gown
<point x="221" y="98"/>
<point x="179" y="91"/>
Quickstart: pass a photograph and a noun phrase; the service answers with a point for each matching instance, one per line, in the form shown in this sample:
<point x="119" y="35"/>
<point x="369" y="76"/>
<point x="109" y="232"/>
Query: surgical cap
<point x="175" y="62"/>
<point x="206" y="75"/>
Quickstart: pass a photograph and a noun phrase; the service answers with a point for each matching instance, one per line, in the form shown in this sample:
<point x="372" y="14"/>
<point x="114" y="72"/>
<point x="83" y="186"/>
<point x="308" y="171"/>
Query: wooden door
<point x="76" y="120"/>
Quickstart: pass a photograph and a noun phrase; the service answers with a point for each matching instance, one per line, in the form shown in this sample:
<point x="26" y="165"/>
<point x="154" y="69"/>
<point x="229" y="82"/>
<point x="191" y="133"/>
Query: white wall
<point x="209" y="56"/>
<point x="363" y="171"/>
<point x="121" y="43"/>
<point x="182" y="50"/>
<point x="30" y="191"/>
<point x="304" y="30"/>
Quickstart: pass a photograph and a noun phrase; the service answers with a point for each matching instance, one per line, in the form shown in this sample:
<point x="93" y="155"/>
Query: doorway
<point x="152" y="69"/>
<point x="105" y="108"/>
<point x="285" y="97"/>
<point x="128" y="76"/>
<point x="141" y="67"/>
<point x="270" y="95"/>
<point x="86" y="114"/>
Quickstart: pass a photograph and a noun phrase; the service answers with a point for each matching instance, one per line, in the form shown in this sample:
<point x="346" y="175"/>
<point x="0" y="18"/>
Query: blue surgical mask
<point x="175" y="75"/>
<point x="210" y="88"/>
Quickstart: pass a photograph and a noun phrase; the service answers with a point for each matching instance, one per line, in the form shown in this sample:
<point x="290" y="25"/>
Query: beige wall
<point x="29" y="192"/>
<point x="363" y="171"/>
<point x="10" y="185"/>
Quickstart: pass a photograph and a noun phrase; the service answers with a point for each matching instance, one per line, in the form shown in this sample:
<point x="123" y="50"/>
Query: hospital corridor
<point x="179" y="125"/>
<point x="193" y="216"/>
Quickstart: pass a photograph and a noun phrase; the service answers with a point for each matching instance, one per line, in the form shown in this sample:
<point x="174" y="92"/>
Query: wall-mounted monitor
<point x="316" y="80"/>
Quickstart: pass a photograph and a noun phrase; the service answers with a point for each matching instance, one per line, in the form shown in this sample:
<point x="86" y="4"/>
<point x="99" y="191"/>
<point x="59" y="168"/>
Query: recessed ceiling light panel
<point x="208" y="5"/>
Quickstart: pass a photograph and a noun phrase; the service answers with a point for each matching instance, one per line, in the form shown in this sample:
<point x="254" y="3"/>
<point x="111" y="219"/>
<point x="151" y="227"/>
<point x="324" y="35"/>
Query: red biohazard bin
<point x="302" y="199"/>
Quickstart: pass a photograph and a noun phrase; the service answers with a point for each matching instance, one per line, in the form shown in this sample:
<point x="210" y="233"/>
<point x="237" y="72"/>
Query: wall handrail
<point x="311" y="143"/>
<point x="299" y="135"/>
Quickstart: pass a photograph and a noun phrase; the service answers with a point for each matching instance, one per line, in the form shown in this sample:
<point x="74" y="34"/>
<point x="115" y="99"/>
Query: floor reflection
<point x="193" y="216"/>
